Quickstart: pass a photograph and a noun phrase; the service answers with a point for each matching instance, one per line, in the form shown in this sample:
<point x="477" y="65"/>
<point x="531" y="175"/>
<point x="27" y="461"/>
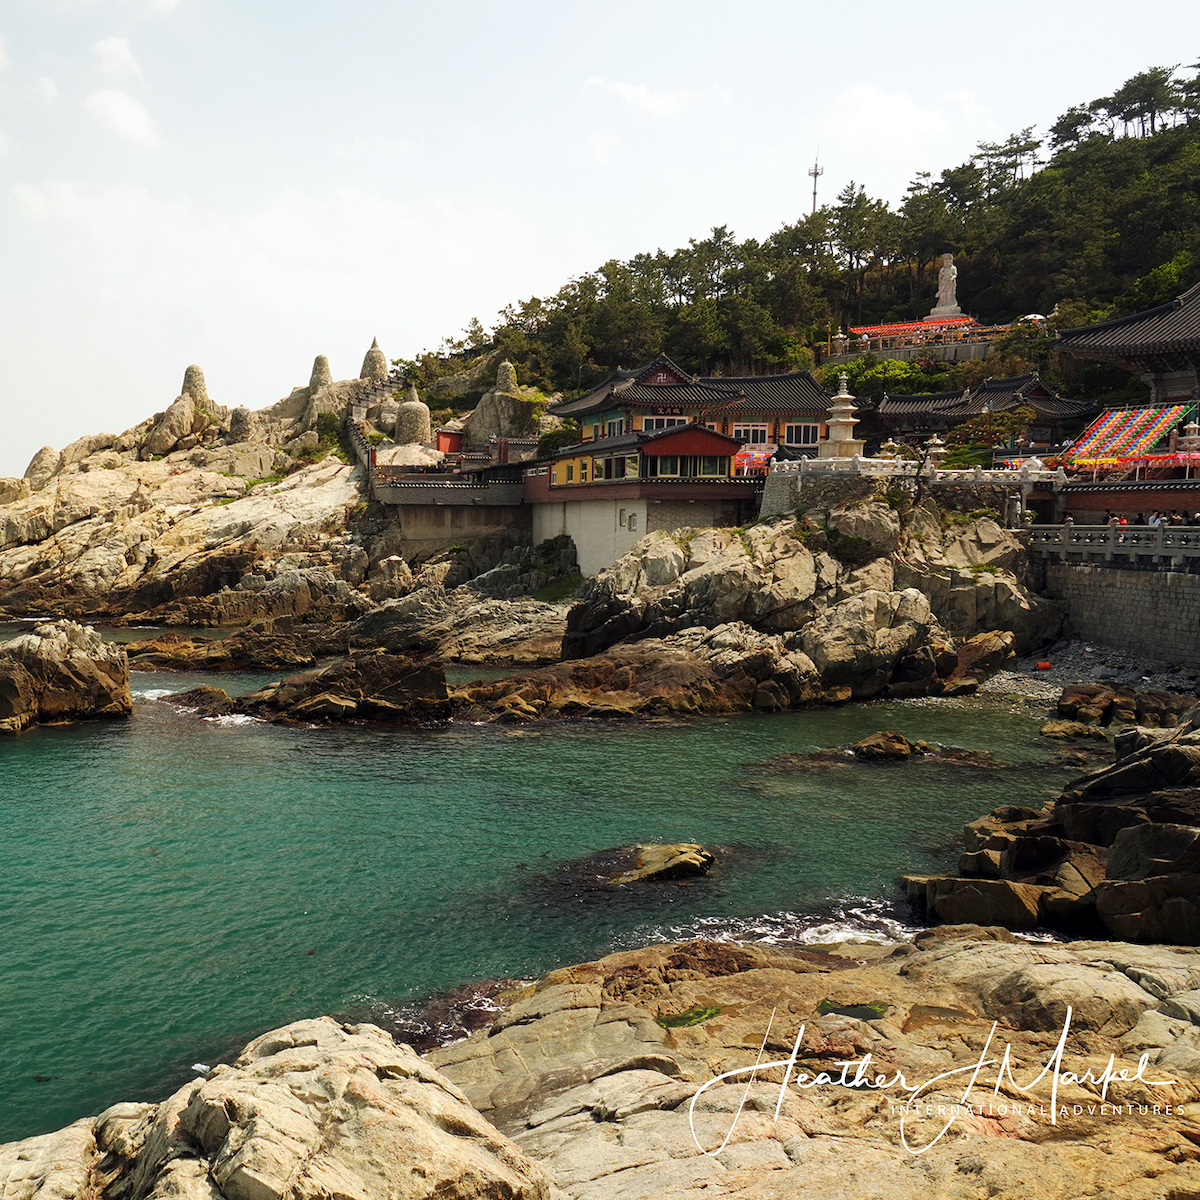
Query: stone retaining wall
<point x="1150" y="612"/>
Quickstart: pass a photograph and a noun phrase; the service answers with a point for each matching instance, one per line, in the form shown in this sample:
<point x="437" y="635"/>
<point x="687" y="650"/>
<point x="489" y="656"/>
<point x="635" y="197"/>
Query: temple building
<point x="917" y="417"/>
<point x="762" y="412"/>
<point x="609" y="491"/>
<point x="1162" y="345"/>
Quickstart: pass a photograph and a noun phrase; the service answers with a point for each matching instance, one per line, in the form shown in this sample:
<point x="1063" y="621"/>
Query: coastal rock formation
<point x="1119" y="849"/>
<point x="274" y="645"/>
<point x="732" y="668"/>
<point x="61" y="672"/>
<point x="607" y="1080"/>
<point x="607" y="1073"/>
<point x="871" y="644"/>
<point x="1097" y="704"/>
<point x="13" y="489"/>
<point x="461" y="625"/>
<point x="113" y="535"/>
<point x="827" y="578"/>
<point x="309" y="1111"/>
<point x="684" y="860"/>
<point x="371" y="687"/>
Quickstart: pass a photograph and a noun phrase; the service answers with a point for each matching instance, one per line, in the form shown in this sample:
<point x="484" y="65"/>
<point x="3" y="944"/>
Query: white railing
<point x="1163" y="545"/>
<point x="906" y="468"/>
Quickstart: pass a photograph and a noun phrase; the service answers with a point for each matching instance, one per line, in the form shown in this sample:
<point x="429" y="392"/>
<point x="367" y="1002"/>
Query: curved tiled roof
<point x="999" y="395"/>
<point x="927" y="402"/>
<point x="796" y="392"/>
<point x="993" y="395"/>
<point x="721" y="395"/>
<point x="1174" y="325"/>
<point x="632" y="441"/>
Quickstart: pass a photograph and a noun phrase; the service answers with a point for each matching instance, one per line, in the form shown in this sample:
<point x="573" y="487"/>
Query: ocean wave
<point x="151" y="693"/>
<point x="233" y="719"/>
<point x="864" y="919"/>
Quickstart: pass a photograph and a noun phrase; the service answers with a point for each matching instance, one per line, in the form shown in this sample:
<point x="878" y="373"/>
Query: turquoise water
<point x="171" y="885"/>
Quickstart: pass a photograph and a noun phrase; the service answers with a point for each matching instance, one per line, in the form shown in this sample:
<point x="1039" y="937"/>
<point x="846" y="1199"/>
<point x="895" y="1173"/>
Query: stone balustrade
<point x="906" y="468"/>
<point x="1174" y="547"/>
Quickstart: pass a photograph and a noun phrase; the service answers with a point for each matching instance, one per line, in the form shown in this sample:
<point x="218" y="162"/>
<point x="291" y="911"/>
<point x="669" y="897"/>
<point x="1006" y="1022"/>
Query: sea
<point x="171" y="886"/>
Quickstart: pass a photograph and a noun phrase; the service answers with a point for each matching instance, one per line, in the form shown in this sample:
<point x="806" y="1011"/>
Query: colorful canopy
<point x="1125" y="433"/>
<point x="753" y="460"/>
<point x="912" y="327"/>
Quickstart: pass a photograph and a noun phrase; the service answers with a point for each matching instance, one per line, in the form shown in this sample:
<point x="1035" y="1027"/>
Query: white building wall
<point x="595" y="525"/>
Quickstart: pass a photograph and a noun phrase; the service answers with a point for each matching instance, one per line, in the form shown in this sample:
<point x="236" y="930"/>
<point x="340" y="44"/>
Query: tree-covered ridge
<point x="1108" y="223"/>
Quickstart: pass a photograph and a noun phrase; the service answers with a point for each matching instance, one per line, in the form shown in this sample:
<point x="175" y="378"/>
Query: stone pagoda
<point x="841" y="442"/>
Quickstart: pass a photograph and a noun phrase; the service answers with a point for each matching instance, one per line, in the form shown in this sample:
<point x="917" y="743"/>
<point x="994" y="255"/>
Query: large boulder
<point x="859" y="641"/>
<point x="61" y="672"/>
<point x="181" y="420"/>
<point x="41" y="468"/>
<point x="308" y="1112"/>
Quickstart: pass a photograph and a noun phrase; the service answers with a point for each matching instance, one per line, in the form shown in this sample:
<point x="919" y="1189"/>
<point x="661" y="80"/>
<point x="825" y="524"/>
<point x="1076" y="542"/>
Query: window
<point x="801" y="435"/>
<point x="583" y="466"/>
<point x="621" y="518"/>
<point x="631" y="466"/>
<point x="615" y="428"/>
<point x="664" y="422"/>
<point x="570" y="472"/>
<point x="668" y="464"/>
<point x="632" y="522"/>
<point x="715" y="426"/>
<point x="750" y="434"/>
<point x="554" y="475"/>
<point x="712" y="465"/>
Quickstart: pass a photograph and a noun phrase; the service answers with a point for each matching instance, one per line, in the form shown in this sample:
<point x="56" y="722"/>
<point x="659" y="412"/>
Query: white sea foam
<point x="231" y="719"/>
<point x="858" y="919"/>
<point x="151" y="693"/>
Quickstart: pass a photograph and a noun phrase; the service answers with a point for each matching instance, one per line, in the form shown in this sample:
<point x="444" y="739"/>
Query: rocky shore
<point x="1118" y="850"/>
<point x="61" y="672"/>
<point x="632" y="1077"/>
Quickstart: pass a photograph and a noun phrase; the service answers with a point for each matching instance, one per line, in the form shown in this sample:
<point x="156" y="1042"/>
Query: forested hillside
<point x="1099" y="217"/>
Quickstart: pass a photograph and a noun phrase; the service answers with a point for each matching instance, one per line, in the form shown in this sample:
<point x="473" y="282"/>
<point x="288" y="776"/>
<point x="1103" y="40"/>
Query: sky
<point x="246" y="184"/>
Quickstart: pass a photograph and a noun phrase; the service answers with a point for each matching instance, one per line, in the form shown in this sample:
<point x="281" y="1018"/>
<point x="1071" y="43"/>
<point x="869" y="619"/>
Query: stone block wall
<point x="1144" y="611"/>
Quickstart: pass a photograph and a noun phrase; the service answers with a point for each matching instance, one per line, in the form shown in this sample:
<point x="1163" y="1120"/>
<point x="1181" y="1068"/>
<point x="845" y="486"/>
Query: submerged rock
<point x="61" y="672"/>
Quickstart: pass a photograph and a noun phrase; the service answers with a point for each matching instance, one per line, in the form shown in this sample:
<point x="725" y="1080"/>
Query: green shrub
<point x="850" y="551"/>
<point x="560" y="589"/>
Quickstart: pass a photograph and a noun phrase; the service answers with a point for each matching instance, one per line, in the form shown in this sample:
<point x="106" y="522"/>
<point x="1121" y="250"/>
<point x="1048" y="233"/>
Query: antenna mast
<point x="816" y="171"/>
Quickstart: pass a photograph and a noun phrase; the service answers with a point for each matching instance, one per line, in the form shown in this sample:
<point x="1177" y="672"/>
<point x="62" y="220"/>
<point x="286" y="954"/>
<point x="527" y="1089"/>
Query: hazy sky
<point x="245" y="184"/>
